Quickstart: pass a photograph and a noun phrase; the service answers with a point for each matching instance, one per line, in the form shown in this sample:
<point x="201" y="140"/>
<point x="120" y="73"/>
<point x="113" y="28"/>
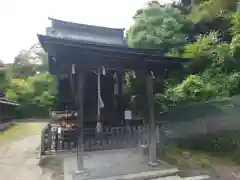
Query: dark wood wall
<point x="7" y="112"/>
<point x="110" y="114"/>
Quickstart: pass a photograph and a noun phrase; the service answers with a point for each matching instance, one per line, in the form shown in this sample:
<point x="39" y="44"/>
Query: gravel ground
<point x="20" y="160"/>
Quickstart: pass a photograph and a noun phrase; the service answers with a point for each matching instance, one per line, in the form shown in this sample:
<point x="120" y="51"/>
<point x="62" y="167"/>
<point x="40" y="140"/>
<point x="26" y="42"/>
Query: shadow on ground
<point x="52" y="165"/>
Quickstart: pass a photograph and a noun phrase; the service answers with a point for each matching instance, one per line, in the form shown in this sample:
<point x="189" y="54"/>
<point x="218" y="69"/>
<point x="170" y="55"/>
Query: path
<point x="19" y="160"/>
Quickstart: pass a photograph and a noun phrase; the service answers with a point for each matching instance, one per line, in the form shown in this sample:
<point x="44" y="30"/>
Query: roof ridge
<point x="87" y="25"/>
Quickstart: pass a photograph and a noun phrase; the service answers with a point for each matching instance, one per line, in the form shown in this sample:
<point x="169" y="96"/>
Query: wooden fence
<point x="59" y="139"/>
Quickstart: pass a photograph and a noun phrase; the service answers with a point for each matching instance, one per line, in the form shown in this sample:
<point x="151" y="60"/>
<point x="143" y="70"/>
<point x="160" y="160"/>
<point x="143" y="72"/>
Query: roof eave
<point x="43" y="39"/>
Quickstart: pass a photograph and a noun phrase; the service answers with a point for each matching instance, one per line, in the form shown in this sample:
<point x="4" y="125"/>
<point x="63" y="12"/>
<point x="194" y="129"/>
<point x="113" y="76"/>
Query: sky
<point x="22" y="20"/>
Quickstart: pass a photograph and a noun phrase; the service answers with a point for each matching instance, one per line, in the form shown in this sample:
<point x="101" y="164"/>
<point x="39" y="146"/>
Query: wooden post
<point x="80" y="144"/>
<point x="99" y="95"/>
<point x="152" y="128"/>
<point x="120" y="97"/>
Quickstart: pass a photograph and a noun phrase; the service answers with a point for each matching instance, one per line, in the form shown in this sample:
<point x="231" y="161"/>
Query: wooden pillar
<point x="120" y="98"/>
<point x="1" y="112"/>
<point x="151" y="119"/>
<point x="98" y="95"/>
<point x="79" y="103"/>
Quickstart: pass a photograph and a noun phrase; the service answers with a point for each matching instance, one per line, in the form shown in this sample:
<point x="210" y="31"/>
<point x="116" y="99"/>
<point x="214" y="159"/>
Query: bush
<point x="224" y="143"/>
<point x="236" y="155"/>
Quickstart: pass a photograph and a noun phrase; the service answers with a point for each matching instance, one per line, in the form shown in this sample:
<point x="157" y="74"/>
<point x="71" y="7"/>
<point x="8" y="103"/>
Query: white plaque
<point x="128" y="115"/>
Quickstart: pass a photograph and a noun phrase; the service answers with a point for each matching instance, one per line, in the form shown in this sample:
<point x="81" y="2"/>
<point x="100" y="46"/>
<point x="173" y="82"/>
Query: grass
<point x="198" y="159"/>
<point x="21" y="130"/>
<point x="189" y="160"/>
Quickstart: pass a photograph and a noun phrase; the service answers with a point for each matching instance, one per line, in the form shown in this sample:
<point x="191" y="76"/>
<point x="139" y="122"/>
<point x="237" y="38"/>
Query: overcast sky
<point x="21" y="20"/>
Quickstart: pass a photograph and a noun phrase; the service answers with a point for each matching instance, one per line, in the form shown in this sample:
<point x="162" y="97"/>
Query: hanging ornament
<point x="115" y="86"/>
<point x="73" y="69"/>
<point x="100" y="103"/>
<point x="54" y="59"/>
<point x="152" y="74"/>
<point x="103" y="71"/>
<point x="99" y="127"/>
<point x="134" y="74"/>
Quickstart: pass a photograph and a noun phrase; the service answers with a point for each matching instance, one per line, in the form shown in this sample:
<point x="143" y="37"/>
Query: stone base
<point x="79" y="174"/>
<point x="109" y="163"/>
<point x="154" y="164"/>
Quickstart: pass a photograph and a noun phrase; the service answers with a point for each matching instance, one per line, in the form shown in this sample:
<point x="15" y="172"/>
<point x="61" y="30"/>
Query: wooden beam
<point x="151" y="120"/>
<point x="114" y="55"/>
<point x="96" y="62"/>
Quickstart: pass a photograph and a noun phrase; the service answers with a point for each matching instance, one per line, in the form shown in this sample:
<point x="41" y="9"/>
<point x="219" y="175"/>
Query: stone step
<point x="180" y="178"/>
<point x="168" y="174"/>
<point x="169" y="178"/>
<point x="144" y="175"/>
<point x="149" y="174"/>
<point x="197" y="177"/>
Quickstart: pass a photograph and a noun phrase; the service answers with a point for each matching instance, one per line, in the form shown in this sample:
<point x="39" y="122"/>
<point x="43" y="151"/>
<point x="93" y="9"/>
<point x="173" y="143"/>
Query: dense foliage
<point x="145" y="33"/>
<point x="214" y="48"/>
<point x="214" y="69"/>
<point x="28" y="83"/>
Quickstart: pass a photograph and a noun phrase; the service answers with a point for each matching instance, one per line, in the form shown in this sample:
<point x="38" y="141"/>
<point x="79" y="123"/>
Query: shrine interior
<point x="113" y="111"/>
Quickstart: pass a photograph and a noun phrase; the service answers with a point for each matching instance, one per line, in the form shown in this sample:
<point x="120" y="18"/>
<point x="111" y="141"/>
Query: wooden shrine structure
<point x="7" y="110"/>
<point x="77" y="52"/>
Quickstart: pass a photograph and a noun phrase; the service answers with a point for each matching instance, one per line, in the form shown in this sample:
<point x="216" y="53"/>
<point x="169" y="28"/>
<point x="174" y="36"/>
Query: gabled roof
<point x="91" y="33"/>
<point x="93" y="46"/>
<point x="71" y="25"/>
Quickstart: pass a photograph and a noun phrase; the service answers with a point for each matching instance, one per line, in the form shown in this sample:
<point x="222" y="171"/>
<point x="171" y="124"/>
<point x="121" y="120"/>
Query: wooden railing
<point x="58" y="139"/>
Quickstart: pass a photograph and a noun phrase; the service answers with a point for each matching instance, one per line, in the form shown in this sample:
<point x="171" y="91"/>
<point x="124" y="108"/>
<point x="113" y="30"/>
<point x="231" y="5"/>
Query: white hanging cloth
<point x="116" y="84"/>
<point x="73" y="69"/>
<point x="100" y="101"/>
<point x="99" y="127"/>
<point x="101" y="104"/>
<point x="103" y="71"/>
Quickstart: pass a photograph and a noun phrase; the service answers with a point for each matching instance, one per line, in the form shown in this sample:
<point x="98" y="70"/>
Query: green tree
<point x="211" y="9"/>
<point x="4" y="80"/>
<point x="29" y="62"/>
<point x="36" y="94"/>
<point x="31" y="85"/>
<point x="44" y="89"/>
<point x="213" y="15"/>
<point x="158" y="27"/>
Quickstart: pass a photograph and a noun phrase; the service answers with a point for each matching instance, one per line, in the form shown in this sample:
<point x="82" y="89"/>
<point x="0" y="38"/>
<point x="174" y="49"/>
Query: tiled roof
<point x="74" y="31"/>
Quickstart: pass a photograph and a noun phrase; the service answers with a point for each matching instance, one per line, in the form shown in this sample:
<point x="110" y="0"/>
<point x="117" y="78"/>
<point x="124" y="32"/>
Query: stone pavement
<point x="4" y="126"/>
<point x="126" y="164"/>
<point x="19" y="160"/>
